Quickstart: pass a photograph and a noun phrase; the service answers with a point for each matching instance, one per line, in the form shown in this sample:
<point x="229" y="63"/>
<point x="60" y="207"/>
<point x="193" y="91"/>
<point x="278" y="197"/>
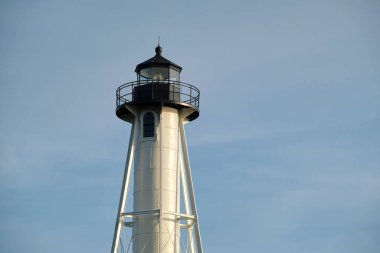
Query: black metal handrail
<point x="181" y="92"/>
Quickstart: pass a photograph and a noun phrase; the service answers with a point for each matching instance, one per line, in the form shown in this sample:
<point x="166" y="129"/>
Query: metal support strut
<point x="125" y="186"/>
<point x="185" y="155"/>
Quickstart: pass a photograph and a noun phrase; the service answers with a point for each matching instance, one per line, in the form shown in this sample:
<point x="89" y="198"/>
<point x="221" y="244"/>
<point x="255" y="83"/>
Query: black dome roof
<point x="158" y="61"/>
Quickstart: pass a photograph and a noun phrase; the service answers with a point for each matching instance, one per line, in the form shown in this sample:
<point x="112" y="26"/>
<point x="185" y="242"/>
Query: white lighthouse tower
<point x="164" y="215"/>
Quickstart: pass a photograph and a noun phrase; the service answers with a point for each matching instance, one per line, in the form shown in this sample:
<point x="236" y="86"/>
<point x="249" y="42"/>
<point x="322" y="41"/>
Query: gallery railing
<point x="163" y="91"/>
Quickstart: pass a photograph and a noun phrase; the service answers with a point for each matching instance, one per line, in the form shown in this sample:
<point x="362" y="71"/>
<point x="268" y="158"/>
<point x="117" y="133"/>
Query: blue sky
<point x="285" y="155"/>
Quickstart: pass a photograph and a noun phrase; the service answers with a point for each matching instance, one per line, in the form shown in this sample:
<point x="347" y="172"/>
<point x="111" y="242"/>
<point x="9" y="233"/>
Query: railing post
<point x="191" y="94"/>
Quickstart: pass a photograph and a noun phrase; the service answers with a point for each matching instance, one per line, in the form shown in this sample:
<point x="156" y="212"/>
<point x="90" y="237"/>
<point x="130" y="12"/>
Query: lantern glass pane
<point x="174" y="75"/>
<point x="155" y="74"/>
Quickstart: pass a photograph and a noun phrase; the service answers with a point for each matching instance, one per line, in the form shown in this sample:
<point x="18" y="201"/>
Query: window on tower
<point x="148" y="125"/>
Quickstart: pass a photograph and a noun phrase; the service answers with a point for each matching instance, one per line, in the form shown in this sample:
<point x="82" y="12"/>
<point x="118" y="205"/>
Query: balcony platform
<point x="174" y="94"/>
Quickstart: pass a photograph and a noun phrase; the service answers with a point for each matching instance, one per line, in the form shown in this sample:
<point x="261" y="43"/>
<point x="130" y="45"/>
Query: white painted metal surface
<point x="156" y="185"/>
<point x="161" y="174"/>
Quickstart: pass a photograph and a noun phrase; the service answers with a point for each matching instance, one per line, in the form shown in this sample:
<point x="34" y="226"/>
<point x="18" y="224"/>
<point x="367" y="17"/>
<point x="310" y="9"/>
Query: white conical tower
<point x="164" y="216"/>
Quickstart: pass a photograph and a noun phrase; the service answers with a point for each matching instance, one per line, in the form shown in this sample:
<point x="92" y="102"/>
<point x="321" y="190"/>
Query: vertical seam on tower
<point x="160" y="218"/>
<point x="178" y="210"/>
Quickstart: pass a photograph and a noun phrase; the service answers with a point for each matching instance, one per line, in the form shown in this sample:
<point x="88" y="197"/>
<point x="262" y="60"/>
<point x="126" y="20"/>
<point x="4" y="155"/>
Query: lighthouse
<point x="163" y="216"/>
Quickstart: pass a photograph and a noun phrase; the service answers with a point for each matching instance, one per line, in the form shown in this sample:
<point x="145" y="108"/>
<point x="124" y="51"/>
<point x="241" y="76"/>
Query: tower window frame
<point x="149" y="125"/>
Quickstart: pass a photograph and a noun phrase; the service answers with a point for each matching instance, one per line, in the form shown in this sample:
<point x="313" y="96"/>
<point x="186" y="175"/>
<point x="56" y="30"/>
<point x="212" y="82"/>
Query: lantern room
<point x="158" y="69"/>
